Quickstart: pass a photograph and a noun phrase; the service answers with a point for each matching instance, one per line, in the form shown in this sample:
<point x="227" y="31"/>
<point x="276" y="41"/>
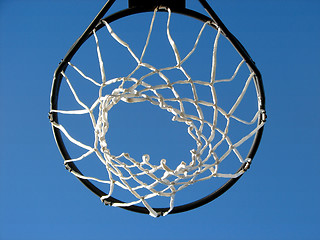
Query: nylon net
<point x="159" y="180"/>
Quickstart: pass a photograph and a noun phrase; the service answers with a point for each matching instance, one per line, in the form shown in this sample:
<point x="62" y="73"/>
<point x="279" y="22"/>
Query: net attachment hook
<point x="50" y="116"/>
<point x="264" y="116"/>
<point x="247" y="165"/>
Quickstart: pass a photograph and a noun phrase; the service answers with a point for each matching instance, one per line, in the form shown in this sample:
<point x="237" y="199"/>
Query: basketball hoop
<point x="209" y="124"/>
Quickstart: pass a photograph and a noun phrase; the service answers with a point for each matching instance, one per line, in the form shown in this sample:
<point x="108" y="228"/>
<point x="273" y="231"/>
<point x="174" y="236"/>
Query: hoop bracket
<point x="152" y="4"/>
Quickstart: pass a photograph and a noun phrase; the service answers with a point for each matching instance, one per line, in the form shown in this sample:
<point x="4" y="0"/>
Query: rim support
<point x="152" y="4"/>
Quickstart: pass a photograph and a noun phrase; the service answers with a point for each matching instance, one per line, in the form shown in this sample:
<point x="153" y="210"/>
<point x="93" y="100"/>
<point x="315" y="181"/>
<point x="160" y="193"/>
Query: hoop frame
<point x="136" y="9"/>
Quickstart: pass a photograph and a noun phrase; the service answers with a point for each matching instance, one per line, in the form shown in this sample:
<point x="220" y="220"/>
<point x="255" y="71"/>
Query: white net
<point x="159" y="180"/>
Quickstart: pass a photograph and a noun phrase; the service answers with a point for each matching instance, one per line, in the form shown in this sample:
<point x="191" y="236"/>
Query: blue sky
<point x="276" y="199"/>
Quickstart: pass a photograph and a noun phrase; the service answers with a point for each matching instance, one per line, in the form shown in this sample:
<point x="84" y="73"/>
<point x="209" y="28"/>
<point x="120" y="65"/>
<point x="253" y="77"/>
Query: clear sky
<point x="276" y="199"/>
